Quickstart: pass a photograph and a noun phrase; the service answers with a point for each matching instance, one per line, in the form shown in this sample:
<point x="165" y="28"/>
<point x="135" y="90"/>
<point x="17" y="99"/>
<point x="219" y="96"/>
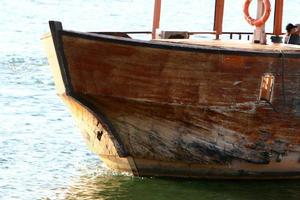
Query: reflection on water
<point x="108" y="186"/>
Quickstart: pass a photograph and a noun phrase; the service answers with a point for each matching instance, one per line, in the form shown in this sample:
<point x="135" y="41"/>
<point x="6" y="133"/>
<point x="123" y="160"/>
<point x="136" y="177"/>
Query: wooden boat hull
<point x="181" y="110"/>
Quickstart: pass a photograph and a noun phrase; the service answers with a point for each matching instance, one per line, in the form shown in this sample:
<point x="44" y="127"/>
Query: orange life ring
<point x="261" y="21"/>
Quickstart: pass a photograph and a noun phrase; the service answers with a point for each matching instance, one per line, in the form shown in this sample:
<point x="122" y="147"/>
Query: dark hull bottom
<point x="184" y="170"/>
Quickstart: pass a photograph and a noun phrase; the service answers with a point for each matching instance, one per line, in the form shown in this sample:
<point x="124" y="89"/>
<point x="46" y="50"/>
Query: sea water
<point x="42" y="154"/>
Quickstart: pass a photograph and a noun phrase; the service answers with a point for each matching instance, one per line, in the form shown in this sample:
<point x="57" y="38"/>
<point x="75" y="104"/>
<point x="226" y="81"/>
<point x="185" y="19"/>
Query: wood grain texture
<point x="196" y="109"/>
<point x="240" y="45"/>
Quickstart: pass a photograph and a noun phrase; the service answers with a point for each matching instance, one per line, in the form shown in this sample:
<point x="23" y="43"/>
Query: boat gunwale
<point x="181" y="46"/>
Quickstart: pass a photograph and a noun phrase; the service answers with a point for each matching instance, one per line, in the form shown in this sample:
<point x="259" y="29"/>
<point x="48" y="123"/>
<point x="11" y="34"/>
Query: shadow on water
<point x="127" y="187"/>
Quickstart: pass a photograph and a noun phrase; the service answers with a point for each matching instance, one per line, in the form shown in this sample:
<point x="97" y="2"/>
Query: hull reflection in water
<point x="127" y="187"/>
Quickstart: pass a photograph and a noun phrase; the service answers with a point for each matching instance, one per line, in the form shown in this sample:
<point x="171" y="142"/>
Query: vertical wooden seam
<point x="56" y="31"/>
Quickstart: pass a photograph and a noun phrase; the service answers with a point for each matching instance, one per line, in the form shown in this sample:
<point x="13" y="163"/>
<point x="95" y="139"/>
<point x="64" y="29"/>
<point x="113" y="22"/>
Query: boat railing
<point x="123" y="34"/>
<point x="229" y="34"/>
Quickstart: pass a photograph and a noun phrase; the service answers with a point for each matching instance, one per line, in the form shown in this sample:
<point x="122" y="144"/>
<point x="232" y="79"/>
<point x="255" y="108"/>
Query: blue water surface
<point x="42" y="154"/>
